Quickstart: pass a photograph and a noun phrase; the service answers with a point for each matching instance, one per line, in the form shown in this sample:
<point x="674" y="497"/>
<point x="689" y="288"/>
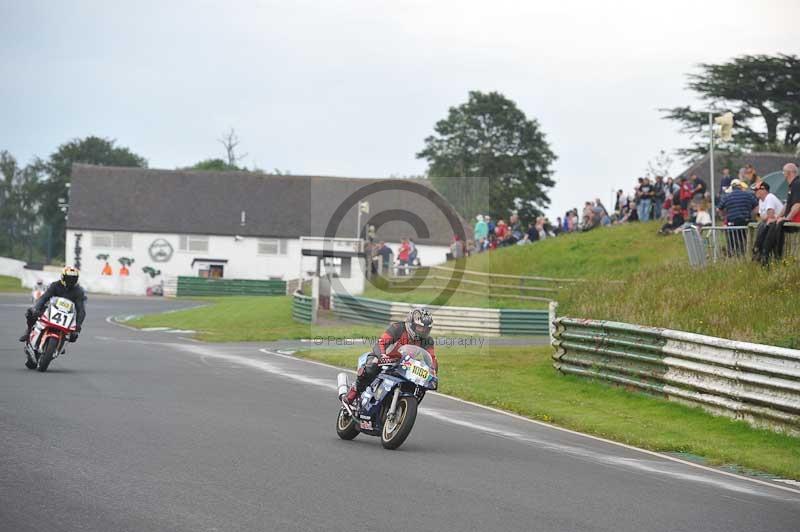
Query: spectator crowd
<point x="677" y="203"/>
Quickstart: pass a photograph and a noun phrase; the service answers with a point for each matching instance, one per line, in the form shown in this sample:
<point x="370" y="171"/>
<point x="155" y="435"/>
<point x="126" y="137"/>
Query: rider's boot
<point x="24" y="337"/>
<point x="351" y="395"/>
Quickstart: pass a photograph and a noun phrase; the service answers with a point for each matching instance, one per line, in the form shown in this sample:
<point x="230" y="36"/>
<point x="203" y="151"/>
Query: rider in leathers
<point x="415" y="330"/>
<point x="68" y="288"/>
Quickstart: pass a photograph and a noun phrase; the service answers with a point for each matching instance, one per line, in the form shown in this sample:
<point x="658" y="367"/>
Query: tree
<point x="489" y="137"/>
<point x="19" y="207"/>
<point x="215" y="165"/>
<point x="230" y="141"/>
<point x="762" y="92"/>
<point x="54" y="191"/>
<point x="660" y="165"/>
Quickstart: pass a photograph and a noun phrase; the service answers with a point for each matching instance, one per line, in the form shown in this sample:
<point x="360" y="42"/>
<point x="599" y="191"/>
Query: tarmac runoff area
<point x="143" y="431"/>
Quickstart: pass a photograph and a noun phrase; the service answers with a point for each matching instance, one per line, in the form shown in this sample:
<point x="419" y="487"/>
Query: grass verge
<point x="11" y="284"/>
<point x="245" y="319"/>
<point x="522" y="380"/>
<point x="736" y="300"/>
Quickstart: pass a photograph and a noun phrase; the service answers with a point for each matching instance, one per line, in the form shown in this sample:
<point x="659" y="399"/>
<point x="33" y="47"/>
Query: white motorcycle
<point x="49" y="335"/>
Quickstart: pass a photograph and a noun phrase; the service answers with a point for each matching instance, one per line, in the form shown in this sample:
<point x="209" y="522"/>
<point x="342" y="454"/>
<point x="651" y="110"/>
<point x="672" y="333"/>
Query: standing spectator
<point x="659" y="195"/>
<point x="490" y="224"/>
<point x="385" y="254"/>
<point x="558" y="228"/>
<point x="402" y="257"/>
<point x="621" y="203"/>
<point x="514" y="230"/>
<point x="645" y="200"/>
<point x="699" y="188"/>
<point x="481" y="231"/>
<point x="500" y="230"/>
<point x="572" y="221"/>
<point x="540" y="228"/>
<point x="724" y="182"/>
<point x="773" y="242"/>
<point x="685" y="195"/>
<point x="413" y="259"/>
<point x="750" y="175"/>
<point x="738" y="206"/>
<point x="457" y="247"/>
<point x="599" y="214"/>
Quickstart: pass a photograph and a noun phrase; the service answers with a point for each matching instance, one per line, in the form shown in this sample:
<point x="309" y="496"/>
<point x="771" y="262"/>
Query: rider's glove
<point x="73" y="337"/>
<point x="78" y="328"/>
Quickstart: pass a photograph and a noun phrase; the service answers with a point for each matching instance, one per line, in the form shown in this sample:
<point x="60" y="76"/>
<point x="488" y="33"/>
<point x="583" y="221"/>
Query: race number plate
<point x="64" y="304"/>
<point x="420" y="372"/>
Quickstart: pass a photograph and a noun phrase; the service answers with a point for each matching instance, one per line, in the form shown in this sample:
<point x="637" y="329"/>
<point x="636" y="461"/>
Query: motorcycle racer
<point x="68" y="288"/>
<point x="415" y="330"/>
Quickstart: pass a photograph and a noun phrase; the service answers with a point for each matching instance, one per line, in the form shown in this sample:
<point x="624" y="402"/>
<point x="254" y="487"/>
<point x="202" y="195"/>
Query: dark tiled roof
<point x="764" y="163"/>
<point x="194" y="202"/>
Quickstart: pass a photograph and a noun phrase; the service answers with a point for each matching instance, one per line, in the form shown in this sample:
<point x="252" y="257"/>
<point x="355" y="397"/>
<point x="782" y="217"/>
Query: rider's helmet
<point x="418" y="324"/>
<point x="69" y="276"/>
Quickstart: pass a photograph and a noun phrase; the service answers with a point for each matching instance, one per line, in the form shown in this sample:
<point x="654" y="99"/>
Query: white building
<point x="240" y="225"/>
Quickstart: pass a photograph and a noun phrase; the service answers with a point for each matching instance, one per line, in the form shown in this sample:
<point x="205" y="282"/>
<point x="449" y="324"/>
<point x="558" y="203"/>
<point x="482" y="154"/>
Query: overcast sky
<point x="351" y="88"/>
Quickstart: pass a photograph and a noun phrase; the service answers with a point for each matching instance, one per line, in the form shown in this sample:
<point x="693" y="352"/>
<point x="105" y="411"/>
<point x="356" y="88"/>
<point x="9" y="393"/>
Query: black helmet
<point x="69" y="276"/>
<point x="419" y="323"/>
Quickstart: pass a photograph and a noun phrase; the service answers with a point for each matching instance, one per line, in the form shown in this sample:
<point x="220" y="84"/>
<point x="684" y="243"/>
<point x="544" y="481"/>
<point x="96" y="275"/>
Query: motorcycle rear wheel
<point x="395" y="432"/>
<point x="346" y="425"/>
<point x="47" y="354"/>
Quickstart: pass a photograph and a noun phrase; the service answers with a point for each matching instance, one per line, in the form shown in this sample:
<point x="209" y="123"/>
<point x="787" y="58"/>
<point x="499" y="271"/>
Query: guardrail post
<point x="552" y="308"/>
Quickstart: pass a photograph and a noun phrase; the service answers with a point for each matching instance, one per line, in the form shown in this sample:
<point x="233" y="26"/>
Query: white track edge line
<point x="569" y="431"/>
<point x="112" y="321"/>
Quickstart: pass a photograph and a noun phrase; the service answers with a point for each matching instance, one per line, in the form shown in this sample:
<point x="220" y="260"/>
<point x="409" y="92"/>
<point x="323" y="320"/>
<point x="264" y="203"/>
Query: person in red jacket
<point x="415" y="330"/>
<point x="403" y="255"/>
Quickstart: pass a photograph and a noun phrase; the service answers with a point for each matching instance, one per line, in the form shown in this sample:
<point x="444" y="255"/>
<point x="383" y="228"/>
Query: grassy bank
<point x="245" y="319"/>
<point x="609" y="253"/>
<point x="738" y="301"/>
<point x="11" y="284"/>
<point x="637" y="276"/>
<point x="522" y="380"/>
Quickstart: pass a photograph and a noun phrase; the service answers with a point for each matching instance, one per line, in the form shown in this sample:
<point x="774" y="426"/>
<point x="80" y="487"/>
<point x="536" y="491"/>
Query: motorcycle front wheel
<point x="346" y="425"/>
<point x="47" y="354"/>
<point x="395" y="432"/>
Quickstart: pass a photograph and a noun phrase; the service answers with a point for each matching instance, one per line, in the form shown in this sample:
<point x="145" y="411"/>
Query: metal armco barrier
<point x="756" y="383"/>
<point x="200" y="286"/>
<point x="469" y="320"/>
<point x="302" y="308"/>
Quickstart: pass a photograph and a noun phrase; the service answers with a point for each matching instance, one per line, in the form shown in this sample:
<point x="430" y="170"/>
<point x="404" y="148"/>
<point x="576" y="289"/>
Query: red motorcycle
<point x="48" y="336"/>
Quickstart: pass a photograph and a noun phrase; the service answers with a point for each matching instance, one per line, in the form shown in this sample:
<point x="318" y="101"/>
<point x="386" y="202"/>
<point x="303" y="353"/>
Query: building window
<point x="112" y="240"/>
<point x="193" y="243"/>
<point x="272" y="246"/>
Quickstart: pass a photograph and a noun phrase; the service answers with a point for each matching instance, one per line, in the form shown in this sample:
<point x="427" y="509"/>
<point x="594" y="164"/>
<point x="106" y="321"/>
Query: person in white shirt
<point x="769" y="208"/>
<point x="702" y="218"/>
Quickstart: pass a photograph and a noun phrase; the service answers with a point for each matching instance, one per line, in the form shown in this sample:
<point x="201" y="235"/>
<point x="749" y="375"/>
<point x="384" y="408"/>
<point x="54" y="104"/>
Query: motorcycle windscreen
<point x="417" y="353"/>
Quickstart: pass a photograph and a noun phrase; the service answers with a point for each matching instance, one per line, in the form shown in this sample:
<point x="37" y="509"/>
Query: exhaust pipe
<point x="341" y="382"/>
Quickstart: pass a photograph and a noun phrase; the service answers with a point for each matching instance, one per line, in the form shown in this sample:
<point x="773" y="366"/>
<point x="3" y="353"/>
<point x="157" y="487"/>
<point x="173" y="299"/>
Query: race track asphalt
<point x="149" y="431"/>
